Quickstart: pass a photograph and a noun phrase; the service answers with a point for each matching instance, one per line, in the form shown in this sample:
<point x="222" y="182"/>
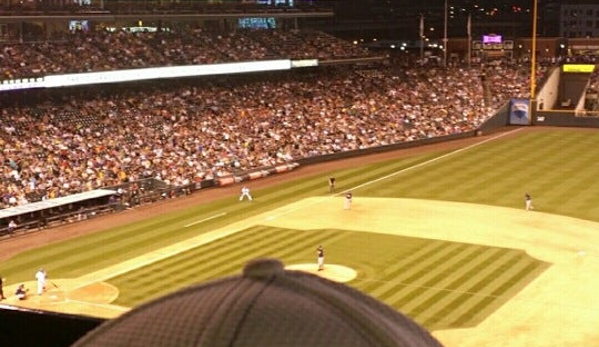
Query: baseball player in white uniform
<point x="40" y="276"/>
<point x="245" y="193"/>
<point x="528" y="200"/>
<point x="348" y="200"/>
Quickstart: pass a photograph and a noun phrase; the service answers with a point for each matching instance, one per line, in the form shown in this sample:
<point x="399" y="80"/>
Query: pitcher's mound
<point x="333" y="272"/>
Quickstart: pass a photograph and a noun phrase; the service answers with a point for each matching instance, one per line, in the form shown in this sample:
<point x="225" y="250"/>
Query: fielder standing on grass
<point x="245" y="193"/>
<point x="528" y="202"/>
<point x="331" y="184"/>
<point x="320" y="257"/>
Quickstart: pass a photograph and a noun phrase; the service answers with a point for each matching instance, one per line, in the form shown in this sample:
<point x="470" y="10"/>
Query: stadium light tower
<point x="421" y="31"/>
<point x="445" y="40"/>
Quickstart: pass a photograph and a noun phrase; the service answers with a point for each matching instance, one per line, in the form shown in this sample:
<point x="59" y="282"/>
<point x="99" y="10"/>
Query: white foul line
<point x="205" y="219"/>
<point x="434" y="159"/>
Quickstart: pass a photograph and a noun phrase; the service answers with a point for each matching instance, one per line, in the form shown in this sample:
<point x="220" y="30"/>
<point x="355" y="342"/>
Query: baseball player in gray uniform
<point x="320" y="257"/>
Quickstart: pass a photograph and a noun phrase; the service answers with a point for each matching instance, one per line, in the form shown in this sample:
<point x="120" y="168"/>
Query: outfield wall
<point x="380" y="149"/>
<point x="542" y="118"/>
<point x="564" y="119"/>
<point x="500" y="120"/>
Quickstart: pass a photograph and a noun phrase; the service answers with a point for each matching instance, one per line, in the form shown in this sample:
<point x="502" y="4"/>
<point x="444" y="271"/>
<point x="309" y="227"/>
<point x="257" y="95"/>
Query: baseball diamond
<point x="439" y="232"/>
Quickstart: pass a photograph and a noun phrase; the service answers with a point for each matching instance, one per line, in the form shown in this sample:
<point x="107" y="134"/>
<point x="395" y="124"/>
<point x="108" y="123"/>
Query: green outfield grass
<point x="425" y="279"/>
<point x="557" y="166"/>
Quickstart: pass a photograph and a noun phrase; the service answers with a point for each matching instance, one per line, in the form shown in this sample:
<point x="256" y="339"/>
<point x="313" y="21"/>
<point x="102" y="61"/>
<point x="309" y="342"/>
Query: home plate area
<point x="73" y="297"/>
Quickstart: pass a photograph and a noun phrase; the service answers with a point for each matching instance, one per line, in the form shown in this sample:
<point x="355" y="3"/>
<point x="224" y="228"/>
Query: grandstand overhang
<point x="162" y="16"/>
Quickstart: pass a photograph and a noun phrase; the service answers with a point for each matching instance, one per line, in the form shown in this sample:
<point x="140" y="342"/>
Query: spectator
<point x="103" y="50"/>
<point x="192" y="131"/>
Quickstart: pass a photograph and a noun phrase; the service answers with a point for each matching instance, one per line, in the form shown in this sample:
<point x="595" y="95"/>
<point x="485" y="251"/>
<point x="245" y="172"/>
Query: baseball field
<point x="440" y="233"/>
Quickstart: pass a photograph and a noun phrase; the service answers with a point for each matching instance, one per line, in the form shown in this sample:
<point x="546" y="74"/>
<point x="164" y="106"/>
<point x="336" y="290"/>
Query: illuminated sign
<point x="118" y="76"/>
<point x="505" y="45"/>
<point x="257" y="23"/>
<point x="492" y="39"/>
<point x="584" y="68"/>
<point x="304" y="63"/>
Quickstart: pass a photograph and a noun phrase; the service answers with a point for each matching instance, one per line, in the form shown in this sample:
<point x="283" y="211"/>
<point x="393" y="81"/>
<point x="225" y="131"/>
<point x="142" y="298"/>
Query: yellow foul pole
<point x="533" y="65"/>
<point x="533" y="60"/>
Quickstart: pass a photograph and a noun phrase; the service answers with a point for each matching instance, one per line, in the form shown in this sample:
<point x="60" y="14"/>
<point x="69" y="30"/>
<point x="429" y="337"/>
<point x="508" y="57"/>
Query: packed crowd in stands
<point x="103" y="50"/>
<point x="187" y="131"/>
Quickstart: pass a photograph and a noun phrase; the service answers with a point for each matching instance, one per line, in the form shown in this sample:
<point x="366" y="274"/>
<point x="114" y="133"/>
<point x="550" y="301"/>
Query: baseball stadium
<point x="127" y="192"/>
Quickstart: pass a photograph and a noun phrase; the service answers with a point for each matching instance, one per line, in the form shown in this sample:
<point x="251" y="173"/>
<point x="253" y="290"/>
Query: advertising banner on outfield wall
<point x="519" y="112"/>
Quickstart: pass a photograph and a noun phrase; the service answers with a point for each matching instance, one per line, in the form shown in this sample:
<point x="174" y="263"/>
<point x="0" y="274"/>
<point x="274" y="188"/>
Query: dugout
<point x="45" y="213"/>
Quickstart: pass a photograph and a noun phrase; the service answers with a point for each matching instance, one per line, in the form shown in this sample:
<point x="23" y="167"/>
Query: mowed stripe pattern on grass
<point x="449" y="285"/>
<point x="557" y="166"/>
<point x="215" y="260"/>
<point x="439" y="284"/>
